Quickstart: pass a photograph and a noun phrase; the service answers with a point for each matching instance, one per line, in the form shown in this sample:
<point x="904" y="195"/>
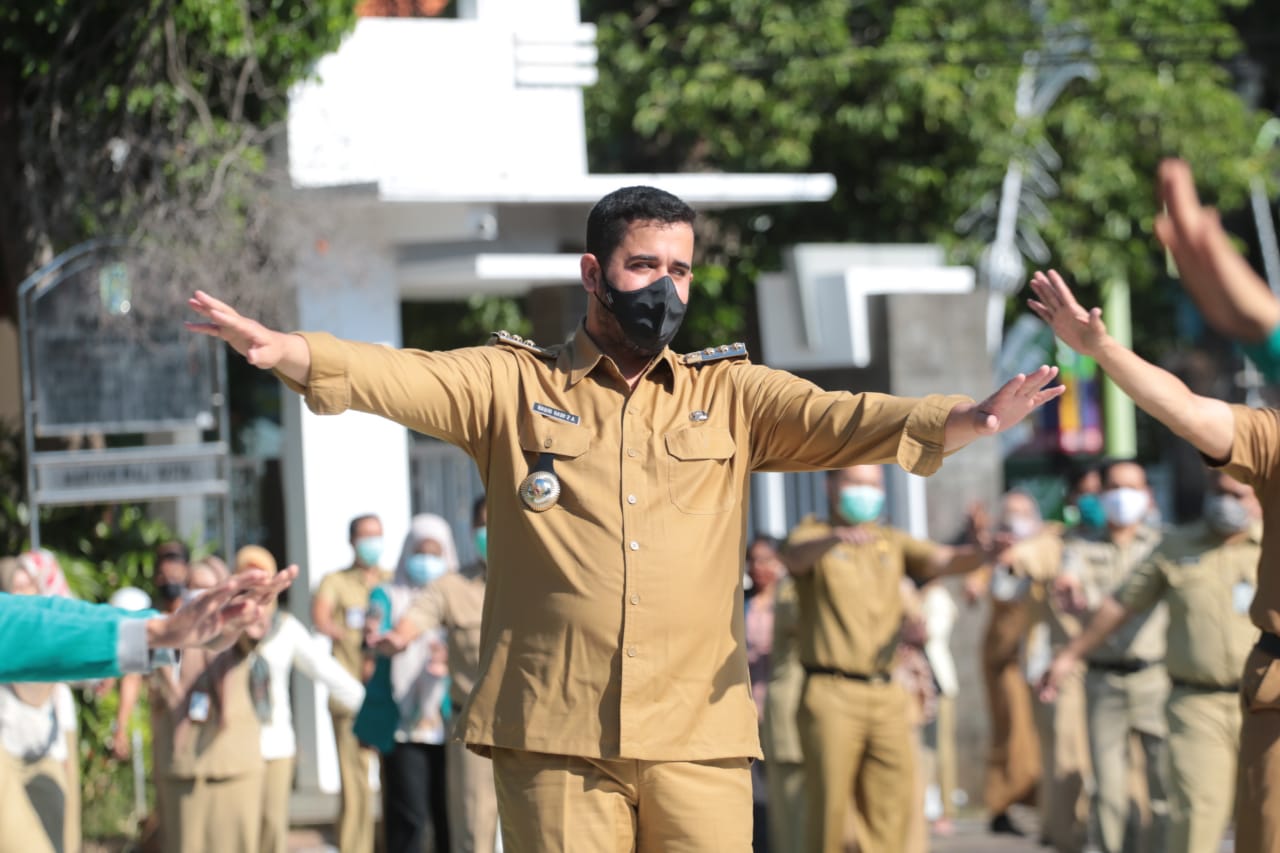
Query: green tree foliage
<point x="911" y="106"/>
<point x="153" y="119"/>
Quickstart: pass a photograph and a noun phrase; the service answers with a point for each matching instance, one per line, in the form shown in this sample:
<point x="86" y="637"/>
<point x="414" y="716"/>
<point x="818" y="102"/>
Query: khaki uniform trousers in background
<point x="858" y="738"/>
<point x="597" y="805"/>
<point x="20" y="828"/>
<point x="229" y="811"/>
<point x="1118" y="704"/>
<point x="1013" y="757"/>
<point x="355" y="808"/>
<point x="277" y="783"/>
<point x="473" y="802"/>
<point x="1067" y="776"/>
<point x="1204" y="734"/>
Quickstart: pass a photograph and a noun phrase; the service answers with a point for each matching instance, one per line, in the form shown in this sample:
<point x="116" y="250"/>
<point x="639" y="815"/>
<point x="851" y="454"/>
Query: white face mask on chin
<point x="1125" y="507"/>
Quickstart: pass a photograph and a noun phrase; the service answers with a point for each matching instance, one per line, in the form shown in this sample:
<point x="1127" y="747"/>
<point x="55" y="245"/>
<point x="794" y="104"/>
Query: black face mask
<point x="171" y="591"/>
<point x="649" y="317"/>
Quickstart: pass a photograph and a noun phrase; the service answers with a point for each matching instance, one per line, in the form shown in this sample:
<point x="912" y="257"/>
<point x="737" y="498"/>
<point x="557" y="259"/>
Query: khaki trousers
<point x="1117" y="705"/>
<point x="570" y="804"/>
<point x="213" y="815"/>
<point x="1067" y="775"/>
<point x="473" y="800"/>
<point x="1204" y="735"/>
<point x="355" y="809"/>
<point x="786" y="805"/>
<point x="1013" y="756"/>
<point x="858" y="740"/>
<point x="20" y="828"/>
<point x="1258" y="780"/>
<point x="277" y="783"/>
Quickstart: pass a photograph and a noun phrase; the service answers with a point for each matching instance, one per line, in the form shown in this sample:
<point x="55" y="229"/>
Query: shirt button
<point x="632" y="452"/>
<point x="631" y="651"/>
<point x="546" y="443"/>
<point x="631" y="499"/>
<point x="635" y="546"/>
<point x="635" y="599"/>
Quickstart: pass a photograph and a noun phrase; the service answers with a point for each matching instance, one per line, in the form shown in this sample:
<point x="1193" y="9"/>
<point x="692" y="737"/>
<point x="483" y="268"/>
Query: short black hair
<point x="612" y="215"/>
<point x="172" y="550"/>
<point x="355" y="524"/>
<point x="772" y="541"/>
<point x="1104" y="471"/>
<point x="476" y="509"/>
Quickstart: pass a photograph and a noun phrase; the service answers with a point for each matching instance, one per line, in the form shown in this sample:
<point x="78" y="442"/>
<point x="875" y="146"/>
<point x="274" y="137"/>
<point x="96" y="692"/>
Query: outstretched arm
<point x="1205" y="422"/>
<point x="1016" y="399"/>
<point x="261" y="347"/>
<point x="1233" y="298"/>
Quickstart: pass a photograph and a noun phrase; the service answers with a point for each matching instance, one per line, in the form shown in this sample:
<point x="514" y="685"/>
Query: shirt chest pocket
<point x="563" y="444"/>
<point x="700" y="472"/>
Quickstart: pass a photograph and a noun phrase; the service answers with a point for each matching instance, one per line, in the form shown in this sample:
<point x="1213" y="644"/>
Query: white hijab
<point x="410" y="680"/>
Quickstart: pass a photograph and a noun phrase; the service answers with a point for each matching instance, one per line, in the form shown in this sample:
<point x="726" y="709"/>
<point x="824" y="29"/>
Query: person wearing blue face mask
<point x="456" y="603"/>
<point x="854" y="721"/>
<point x="338" y="610"/>
<point x="403" y="713"/>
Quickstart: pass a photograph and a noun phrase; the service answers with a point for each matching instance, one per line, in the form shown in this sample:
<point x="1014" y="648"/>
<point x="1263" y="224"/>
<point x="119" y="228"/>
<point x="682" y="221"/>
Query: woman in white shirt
<point x="37" y="725"/>
<point x="287" y="644"/>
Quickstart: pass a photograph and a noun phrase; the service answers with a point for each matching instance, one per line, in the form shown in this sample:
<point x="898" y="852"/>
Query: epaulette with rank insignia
<point x="703" y="356"/>
<point x="505" y="338"/>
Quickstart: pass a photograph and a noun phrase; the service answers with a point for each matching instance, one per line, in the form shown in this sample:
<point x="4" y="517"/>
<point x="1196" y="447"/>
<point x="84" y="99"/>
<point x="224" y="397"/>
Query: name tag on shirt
<point x="198" y="707"/>
<point x="355" y="618"/>
<point x="1242" y="596"/>
<point x="558" y="414"/>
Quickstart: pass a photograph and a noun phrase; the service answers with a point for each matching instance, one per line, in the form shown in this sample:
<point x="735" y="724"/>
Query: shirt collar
<point x="584" y="356"/>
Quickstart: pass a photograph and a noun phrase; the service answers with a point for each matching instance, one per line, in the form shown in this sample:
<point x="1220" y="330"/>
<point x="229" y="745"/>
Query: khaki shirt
<point x="456" y="602"/>
<point x="613" y="621"/>
<point x="1102" y="566"/>
<point x="1208" y="587"/>
<point x="1255" y="461"/>
<point x="851" y="604"/>
<point x="349" y="591"/>
<point x="225" y="740"/>
<point x="1039" y="559"/>
<point x="779" y="732"/>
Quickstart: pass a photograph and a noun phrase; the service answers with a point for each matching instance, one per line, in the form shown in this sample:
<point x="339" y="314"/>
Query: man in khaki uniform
<point x="613" y="694"/>
<point x="779" y="734"/>
<point x="456" y="602"/>
<point x="855" y="725"/>
<point x="1066" y="774"/>
<point x="338" y="611"/>
<point x="1206" y="574"/>
<point x="1126" y="685"/>
<point x="1013" y="754"/>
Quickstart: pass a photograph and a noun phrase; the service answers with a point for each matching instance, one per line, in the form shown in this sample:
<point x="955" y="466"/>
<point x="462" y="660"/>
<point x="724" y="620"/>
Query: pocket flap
<point x="701" y="443"/>
<point x="543" y="435"/>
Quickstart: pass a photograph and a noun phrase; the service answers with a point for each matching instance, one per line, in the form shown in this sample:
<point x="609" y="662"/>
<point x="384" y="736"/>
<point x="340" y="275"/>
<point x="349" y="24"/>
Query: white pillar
<point x="338" y="467"/>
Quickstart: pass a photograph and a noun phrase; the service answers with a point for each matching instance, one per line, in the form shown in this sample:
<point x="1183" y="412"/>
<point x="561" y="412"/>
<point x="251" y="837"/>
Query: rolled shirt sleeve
<point x="1143" y="588"/>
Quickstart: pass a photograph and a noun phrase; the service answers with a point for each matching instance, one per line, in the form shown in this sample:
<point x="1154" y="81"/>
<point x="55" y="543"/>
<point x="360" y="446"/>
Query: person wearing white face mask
<point x="853" y="720"/>
<point x="403" y="714"/>
<point x="1126" y="685"/>
<point x="1205" y="573"/>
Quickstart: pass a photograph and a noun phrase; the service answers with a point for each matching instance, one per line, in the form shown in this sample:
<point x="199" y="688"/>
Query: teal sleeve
<point x="45" y="638"/>
<point x="1265" y="355"/>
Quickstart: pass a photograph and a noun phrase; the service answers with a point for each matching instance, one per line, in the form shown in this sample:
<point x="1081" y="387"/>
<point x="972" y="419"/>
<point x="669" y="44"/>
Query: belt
<point x="1206" y="688"/>
<point x="869" y="678"/>
<point x="1124" y="667"/>
<point x="1269" y="643"/>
